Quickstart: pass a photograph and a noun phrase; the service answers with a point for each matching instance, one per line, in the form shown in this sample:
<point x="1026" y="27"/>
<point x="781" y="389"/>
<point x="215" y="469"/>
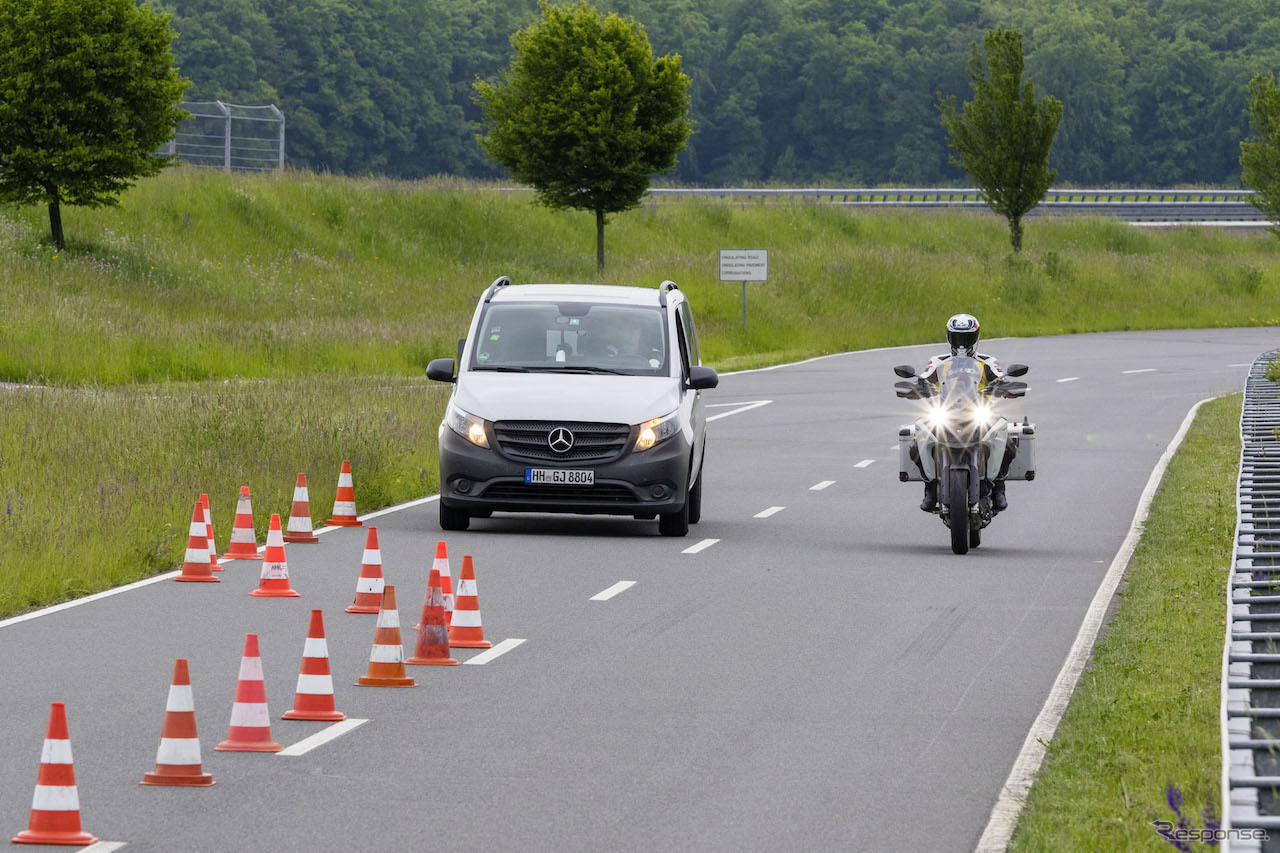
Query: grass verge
<point x="1145" y="714"/>
<point x="97" y="485"/>
<point x="200" y="275"/>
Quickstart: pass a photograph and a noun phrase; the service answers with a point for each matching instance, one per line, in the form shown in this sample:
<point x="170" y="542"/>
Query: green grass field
<point x="199" y="275"/>
<point x="1145" y="714"/>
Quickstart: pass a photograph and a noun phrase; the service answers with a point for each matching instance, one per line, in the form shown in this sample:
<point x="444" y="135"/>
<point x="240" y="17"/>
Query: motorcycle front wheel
<point x="958" y="495"/>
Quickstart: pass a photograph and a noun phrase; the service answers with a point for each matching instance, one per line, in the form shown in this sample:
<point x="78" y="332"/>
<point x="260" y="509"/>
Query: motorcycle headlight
<point x="466" y="425"/>
<point x="983" y="416"/>
<point x="654" y="432"/>
<point x="936" y="416"/>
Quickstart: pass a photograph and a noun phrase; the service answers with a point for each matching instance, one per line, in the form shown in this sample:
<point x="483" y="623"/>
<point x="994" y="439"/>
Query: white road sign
<point x="744" y="264"/>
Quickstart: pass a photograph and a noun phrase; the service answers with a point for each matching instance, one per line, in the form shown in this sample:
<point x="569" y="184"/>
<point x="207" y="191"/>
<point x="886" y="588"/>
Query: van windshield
<point x="572" y="337"/>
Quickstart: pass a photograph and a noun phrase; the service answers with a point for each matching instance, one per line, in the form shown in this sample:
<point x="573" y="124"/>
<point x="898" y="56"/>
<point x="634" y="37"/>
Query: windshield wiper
<point x="504" y="368"/>
<point x="604" y="371"/>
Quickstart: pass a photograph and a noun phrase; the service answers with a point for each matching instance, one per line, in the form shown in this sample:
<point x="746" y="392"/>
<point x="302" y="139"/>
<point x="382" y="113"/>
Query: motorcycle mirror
<point x="1017" y="370"/>
<point x="907" y="391"/>
<point x="1013" y="389"/>
<point x="906" y="371"/>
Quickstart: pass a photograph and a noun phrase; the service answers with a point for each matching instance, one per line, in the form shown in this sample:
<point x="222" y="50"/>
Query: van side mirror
<point x="440" y="369"/>
<point x="906" y="371"/>
<point x="701" y="378"/>
<point x="1017" y="370"/>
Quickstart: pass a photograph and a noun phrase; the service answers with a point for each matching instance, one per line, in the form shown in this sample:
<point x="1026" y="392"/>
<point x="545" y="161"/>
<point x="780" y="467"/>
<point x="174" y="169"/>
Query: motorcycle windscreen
<point x="960" y="382"/>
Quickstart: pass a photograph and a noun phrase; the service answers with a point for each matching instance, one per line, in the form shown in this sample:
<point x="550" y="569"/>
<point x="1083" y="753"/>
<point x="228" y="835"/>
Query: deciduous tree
<point x="88" y="95"/>
<point x="585" y="114"/>
<point x="1260" y="156"/>
<point x="1003" y="136"/>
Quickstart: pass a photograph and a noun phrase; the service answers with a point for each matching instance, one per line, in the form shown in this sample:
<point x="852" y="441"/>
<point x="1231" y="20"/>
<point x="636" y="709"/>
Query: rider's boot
<point x="999" y="502"/>
<point x="930" y="502"/>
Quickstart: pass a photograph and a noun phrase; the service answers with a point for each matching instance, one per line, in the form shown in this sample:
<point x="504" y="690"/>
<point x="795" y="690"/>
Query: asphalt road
<point x="829" y="676"/>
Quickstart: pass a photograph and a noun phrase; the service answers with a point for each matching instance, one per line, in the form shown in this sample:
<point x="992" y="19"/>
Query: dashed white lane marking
<point x="773" y="510"/>
<point x="605" y="595"/>
<point x="322" y="737"/>
<point x="894" y="448"/>
<point x="742" y="407"/>
<point x="817" y="487"/>
<point x="701" y="546"/>
<point x="1140" y="370"/>
<point x="1241" y="364"/>
<point x="864" y="463"/>
<point x="1068" y="379"/>
<point x="498" y="650"/>
<point x="103" y="847"/>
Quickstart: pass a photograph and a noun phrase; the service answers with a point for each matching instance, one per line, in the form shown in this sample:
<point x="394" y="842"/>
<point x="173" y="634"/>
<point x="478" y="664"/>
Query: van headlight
<point x="654" y="432"/>
<point x="466" y="425"/>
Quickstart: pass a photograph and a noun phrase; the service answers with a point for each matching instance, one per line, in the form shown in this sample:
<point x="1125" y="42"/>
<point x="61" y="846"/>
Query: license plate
<point x="559" y="477"/>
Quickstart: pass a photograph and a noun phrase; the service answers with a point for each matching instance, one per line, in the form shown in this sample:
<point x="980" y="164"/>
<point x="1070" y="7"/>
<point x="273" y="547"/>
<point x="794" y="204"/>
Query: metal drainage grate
<point x="1251" y="735"/>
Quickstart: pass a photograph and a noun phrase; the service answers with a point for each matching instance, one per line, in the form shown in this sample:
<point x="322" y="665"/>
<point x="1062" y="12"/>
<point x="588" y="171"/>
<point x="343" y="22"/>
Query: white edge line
<point x="864" y="463"/>
<point x="322" y="737"/>
<point x="500" y="649"/>
<point x="701" y="546"/>
<point x="1013" y="794"/>
<point x="817" y="487"/>
<point x="1140" y="370"/>
<point x="837" y="355"/>
<point x="103" y="847"/>
<point x="773" y="510"/>
<point x="1068" y="379"/>
<point x="606" y="594"/>
<point x="107" y="593"/>
<point x="746" y="407"/>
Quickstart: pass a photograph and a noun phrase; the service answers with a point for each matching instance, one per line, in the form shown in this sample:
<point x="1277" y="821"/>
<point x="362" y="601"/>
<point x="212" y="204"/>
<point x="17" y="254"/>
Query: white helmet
<point x="962" y="334"/>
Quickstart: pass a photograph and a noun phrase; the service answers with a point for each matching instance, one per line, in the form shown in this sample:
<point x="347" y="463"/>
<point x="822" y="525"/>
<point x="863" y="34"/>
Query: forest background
<point x="836" y="92"/>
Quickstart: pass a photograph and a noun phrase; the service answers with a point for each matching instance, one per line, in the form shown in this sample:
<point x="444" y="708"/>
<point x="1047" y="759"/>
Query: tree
<point x="585" y="114"/>
<point x="1260" y="157"/>
<point x="1003" y="136"/>
<point x="88" y="94"/>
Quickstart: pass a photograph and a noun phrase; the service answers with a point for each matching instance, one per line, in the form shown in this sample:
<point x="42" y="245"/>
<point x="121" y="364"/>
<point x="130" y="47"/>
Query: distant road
<point x="1135" y="205"/>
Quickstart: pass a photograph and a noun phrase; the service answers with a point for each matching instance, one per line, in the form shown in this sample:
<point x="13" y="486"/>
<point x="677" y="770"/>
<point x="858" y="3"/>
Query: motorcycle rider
<point x="962" y="339"/>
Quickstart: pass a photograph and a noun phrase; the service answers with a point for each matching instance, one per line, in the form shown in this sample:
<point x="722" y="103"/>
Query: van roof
<point x="617" y="294"/>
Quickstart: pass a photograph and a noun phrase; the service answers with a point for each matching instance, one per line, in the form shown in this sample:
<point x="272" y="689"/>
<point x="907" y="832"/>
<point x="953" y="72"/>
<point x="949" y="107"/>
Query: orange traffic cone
<point x="313" y="699"/>
<point x="386" y="660"/>
<point x="274" y="580"/>
<point x="344" y="502"/>
<point x="178" y="758"/>
<point x="369" y="585"/>
<point x="433" y="638"/>
<point x="441" y="564"/>
<point x="250" y="729"/>
<point x="465" y="631"/>
<point x="208" y="526"/>
<point x="300" y="515"/>
<point x="196" y="566"/>
<point x="55" y="808"/>
<point x="244" y="542"/>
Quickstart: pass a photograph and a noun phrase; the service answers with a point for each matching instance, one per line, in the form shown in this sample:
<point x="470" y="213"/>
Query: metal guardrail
<point x="1251" y="658"/>
<point x="1132" y="204"/>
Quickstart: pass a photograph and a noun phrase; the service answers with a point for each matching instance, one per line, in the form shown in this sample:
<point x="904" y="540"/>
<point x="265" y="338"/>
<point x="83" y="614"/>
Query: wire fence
<point x="230" y="137"/>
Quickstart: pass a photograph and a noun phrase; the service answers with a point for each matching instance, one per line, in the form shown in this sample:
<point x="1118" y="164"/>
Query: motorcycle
<point x="963" y="444"/>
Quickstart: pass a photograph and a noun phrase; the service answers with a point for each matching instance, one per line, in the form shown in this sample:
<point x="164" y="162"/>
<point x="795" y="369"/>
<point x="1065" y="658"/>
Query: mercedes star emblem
<point x="560" y="439"/>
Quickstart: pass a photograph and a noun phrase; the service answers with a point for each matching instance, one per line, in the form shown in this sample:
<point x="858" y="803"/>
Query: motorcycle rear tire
<point x="958" y="509"/>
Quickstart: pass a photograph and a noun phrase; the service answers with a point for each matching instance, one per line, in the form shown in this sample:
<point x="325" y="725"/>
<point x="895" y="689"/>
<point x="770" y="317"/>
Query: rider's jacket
<point x="935" y="371"/>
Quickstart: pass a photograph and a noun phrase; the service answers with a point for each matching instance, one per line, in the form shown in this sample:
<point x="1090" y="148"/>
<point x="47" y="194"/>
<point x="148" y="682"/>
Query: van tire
<point x="694" y="503"/>
<point x="675" y="523"/>
<point x="453" y="519"/>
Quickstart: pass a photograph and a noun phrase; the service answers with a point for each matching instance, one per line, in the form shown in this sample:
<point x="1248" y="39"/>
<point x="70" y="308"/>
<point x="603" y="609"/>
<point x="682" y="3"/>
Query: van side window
<point x="684" y="345"/>
<point x="695" y="354"/>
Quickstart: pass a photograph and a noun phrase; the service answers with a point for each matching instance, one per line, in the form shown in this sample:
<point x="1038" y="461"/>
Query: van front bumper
<point x="479" y="479"/>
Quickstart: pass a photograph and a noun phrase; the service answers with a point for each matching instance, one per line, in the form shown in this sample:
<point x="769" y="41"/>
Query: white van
<point x="575" y="398"/>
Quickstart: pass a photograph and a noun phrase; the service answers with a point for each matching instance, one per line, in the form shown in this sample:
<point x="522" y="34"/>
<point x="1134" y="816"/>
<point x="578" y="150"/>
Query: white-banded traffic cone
<point x="273" y="582"/>
<point x="313" y="700"/>
<point x="386" y="658"/>
<point x="465" y="631"/>
<point x="344" y="502"/>
<point x="250" y="729"/>
<point x="55" y="808"/>
<point x="195" y="568"/>
<point x="441" y="565"/>
<point x="208" y="526"/>
<point x="244" y="541"/>
<point x="178" y="758"/>
<point x="370" y="584"/>
<point x="300" y="515"/>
